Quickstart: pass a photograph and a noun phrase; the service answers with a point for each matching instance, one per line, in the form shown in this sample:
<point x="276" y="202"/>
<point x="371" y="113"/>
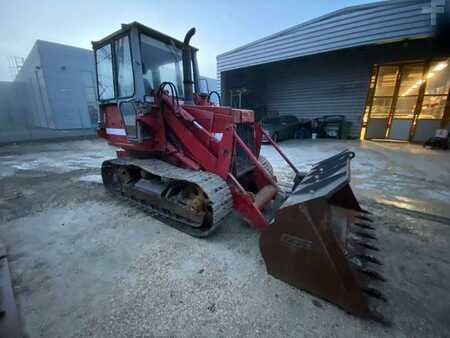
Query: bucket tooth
<point x="364" y="226"/>
<point x="367" y="246"/>
<point x="370" y="258"/>
<point x="366" y="211"/>
<point x="379" y="318"/>
<point x="374" y="293"/>
<point x="372" y="274"/>
<point x="365" y="235"/>
<point x="364" y="218"/>
<point x="353" y="249"/>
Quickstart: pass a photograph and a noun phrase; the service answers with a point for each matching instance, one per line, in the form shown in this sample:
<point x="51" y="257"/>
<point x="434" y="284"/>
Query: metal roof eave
<point x="374" y="43"/>
<point x="318" y="19"/>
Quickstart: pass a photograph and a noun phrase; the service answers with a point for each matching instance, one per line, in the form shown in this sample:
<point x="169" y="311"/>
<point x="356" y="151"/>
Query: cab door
<point x="125" y="84"/>
<point x="116" y="86"/>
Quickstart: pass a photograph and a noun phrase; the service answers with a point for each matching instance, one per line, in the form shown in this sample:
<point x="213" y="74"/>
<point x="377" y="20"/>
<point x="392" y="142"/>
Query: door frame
<point x="373" y="79"/>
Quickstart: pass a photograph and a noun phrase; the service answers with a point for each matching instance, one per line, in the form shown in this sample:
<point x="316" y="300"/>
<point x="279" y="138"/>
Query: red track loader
<point x="190" y="163"/>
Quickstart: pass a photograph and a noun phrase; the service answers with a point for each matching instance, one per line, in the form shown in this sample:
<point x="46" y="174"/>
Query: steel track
<point x="213" y="186"/>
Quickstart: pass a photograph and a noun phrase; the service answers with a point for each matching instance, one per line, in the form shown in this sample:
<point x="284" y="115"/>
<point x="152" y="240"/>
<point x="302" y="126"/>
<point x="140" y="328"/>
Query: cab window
<point x="105" y="79"/>
<point x="161" y="62"/>
<point x="125" y="79"/>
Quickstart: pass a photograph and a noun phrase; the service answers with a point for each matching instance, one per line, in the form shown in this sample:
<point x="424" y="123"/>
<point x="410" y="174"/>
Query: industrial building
<point x="62" y="86"/>
<point x="377" y="64"/>
<point x="54" y="95"/>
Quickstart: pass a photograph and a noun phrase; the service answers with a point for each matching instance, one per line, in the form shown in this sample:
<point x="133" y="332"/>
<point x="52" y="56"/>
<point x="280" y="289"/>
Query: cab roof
<point x="141" y="29"/>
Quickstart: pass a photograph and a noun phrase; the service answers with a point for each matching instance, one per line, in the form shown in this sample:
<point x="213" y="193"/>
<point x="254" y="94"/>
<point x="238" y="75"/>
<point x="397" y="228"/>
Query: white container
<point x="314" y="136"/>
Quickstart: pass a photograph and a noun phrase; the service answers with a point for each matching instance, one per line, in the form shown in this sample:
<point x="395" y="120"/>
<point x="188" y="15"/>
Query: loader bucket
<point x="321" y="240"/>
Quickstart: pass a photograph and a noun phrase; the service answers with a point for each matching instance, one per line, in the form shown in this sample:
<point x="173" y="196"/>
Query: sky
<point x="221" y="25"/>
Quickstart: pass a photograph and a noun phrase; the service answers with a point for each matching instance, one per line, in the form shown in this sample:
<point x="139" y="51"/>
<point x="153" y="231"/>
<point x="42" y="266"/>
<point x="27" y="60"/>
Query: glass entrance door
<point x="407" y="102"/>
<point x="405" y="105"/>
<point x="383" y="99"/>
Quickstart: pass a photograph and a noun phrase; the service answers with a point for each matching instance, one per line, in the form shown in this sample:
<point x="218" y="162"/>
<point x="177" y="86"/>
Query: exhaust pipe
<point x="188" y="83"/>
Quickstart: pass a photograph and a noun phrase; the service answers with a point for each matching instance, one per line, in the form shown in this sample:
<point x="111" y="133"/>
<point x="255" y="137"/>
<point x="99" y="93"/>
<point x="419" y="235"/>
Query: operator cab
<point x="133" y="62"/>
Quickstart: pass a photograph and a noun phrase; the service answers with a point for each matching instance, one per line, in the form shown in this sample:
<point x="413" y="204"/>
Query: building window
<point x="381" y="107"/>
<point x="384" y="92"/>
<point x="433" y="107"/>
<point x="125" y="79"/>
<point x="408" y="94"/>
<point x="387" y="76"/>
<point x="436" y="91"/>
<point x="105" y="81"/>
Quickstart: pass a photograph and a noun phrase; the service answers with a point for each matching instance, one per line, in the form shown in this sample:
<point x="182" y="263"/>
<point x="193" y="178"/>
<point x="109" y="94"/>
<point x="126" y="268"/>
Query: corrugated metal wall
<point x="317" y="86"/>
<point x="349" y="27"/>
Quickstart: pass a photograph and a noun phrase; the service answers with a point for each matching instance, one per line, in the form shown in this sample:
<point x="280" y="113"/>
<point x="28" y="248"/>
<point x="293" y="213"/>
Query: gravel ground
<point x="84" y="264"/>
